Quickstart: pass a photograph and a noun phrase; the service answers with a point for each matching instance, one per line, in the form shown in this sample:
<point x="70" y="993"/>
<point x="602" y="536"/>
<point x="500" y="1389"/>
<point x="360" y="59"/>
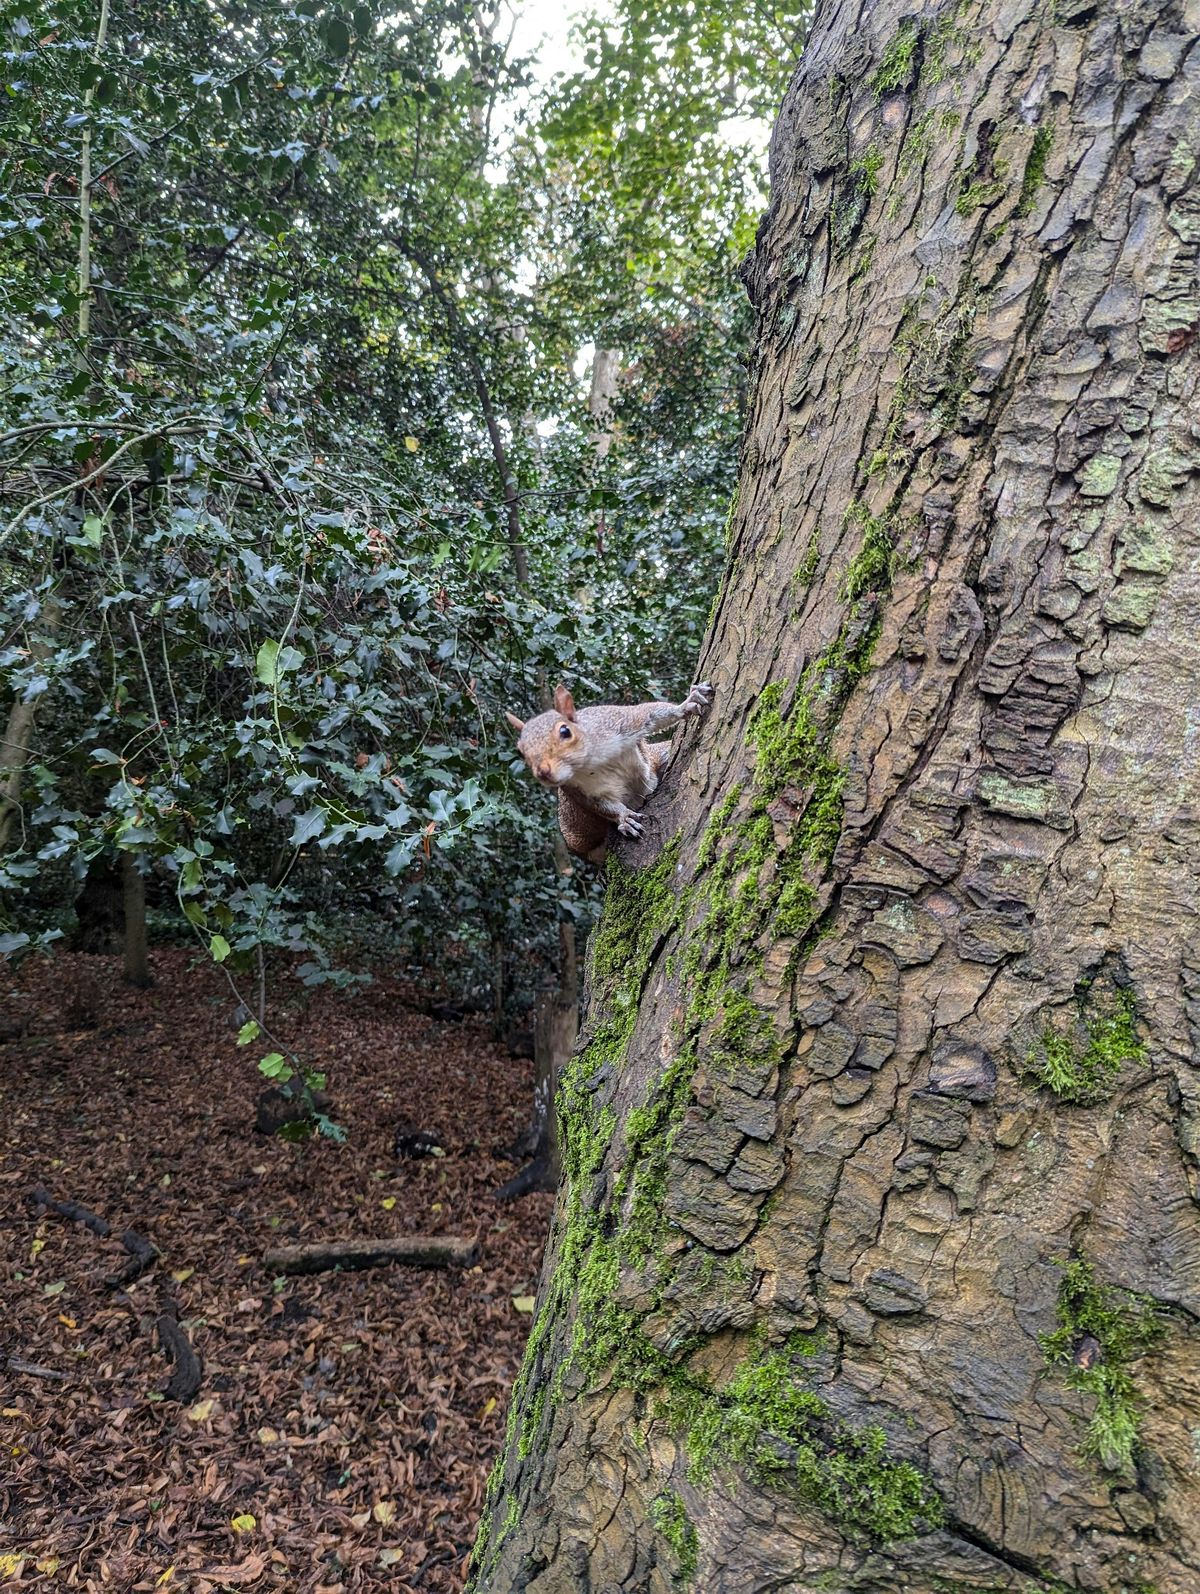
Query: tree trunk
<point x="606" y="375"/>
<point x="18" y="731"/>
<point x="877" y="1263"/>
<point x="100" y="907"/>
<point x="133" y="897"/>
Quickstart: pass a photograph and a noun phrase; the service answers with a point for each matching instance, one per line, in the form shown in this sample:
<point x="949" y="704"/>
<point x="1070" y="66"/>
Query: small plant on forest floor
<point x="1101" y="1330"/>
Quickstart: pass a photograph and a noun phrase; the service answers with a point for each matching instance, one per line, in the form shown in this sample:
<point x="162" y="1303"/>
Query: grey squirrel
<point x="601" y="762"/>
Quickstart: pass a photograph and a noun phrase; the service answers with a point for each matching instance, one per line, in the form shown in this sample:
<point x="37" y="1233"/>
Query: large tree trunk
<point x="877" y="1266"/>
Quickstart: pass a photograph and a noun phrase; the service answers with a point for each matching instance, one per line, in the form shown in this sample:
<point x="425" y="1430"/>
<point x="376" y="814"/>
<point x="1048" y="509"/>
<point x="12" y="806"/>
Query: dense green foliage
<point x="298" y="484"/>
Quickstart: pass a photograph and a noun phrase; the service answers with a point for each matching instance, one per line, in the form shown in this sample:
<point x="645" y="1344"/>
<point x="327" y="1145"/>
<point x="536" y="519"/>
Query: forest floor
<point x="346" y="1422"/>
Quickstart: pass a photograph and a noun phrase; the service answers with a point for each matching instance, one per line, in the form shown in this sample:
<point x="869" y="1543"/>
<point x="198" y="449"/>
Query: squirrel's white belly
<point x="629" y="780"/>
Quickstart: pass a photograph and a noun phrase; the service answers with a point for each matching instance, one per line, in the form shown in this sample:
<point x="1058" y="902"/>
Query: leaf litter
<point x="346" y="1423"/>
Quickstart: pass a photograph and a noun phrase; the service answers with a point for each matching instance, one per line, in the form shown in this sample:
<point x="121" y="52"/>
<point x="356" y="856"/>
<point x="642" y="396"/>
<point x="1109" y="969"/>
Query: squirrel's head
<point x="553" y="744"/>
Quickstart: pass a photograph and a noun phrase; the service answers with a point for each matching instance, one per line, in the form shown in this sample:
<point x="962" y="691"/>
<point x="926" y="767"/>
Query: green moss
<point x="732" y="511"/>
<point x="896" y="67"/>
<point x="1081" y="1065"/>
<point x="649" y="1136"/>
<point x="668" y="1516"/>
<point x="718" y="825"/>
<point x="1035" y="168"/>
<point x="784" y="1434"/>
<point x="871" y="568"/>
<point x="807" y="568"/>
<point x="977" y="194"/>
<point x="532" y="1423"/>
<point x="1101" y="1330"/>
<point x="865" y="170"/>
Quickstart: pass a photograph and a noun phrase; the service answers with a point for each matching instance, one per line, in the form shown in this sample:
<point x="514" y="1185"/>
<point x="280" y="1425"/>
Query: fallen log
<point x="413" y="1250"/>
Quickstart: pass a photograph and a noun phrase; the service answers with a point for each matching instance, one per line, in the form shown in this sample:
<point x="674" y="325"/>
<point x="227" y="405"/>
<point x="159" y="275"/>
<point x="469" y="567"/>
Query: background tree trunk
<point x="877" y="1263"/>
<point x="100" y="907"/>
<point x="133" y="898"/>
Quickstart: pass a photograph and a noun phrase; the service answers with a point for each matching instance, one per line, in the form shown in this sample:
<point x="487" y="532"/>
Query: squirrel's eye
<point x="564" y="732"/>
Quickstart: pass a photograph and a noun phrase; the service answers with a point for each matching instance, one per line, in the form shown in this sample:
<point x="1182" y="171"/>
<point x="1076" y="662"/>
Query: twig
<point x="18" y="1364"/>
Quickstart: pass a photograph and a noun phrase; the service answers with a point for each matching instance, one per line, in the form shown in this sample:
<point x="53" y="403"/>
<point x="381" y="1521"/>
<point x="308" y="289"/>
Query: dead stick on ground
<point x="18" y="1364"/>
<point x="142" y="1257"/>
<point x="415" y="1250"/>
<point x="71" y="1210"/>
<point x="184" y="1382"/>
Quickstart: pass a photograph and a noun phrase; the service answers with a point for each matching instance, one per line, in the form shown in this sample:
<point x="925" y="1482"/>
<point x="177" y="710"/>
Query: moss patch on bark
<point x="1081" y="1064"/>
<point x="1101" y="1330"/>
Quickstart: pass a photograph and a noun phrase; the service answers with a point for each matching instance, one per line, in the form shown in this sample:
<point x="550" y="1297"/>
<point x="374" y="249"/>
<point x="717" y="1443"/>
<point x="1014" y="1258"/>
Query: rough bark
<point x="894" y="1045"/>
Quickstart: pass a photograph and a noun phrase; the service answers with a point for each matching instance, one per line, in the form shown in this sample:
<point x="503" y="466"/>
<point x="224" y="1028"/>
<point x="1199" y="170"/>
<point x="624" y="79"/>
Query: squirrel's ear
<point x="517" y="725"/>
<point x="564" y="702"/>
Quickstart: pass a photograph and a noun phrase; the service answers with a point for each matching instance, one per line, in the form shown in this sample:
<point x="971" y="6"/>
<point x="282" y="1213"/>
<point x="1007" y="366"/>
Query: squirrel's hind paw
<point x="630" y="824"/>
<point x="699" y="699"/>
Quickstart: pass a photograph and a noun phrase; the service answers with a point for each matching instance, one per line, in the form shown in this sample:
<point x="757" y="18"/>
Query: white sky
<point x="543" y="26"/>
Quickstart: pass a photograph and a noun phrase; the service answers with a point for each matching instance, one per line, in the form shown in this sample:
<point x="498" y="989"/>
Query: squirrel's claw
<point x="699" y="699"/>
<point x="630" y="824"/>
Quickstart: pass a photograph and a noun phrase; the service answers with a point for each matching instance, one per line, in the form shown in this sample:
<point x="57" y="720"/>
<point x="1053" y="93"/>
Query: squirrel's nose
<point x="543" y="772"/>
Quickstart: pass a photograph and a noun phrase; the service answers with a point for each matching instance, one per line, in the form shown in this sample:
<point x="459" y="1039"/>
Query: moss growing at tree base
<point x="766" y="1420"/>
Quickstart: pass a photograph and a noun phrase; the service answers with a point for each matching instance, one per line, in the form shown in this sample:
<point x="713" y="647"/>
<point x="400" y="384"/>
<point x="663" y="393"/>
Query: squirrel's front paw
<point x="630" y="824"/>
<point x="699" y="699"/>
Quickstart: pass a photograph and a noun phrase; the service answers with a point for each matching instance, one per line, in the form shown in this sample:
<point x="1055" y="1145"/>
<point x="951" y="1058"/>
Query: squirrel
<point x="601" y="762"/>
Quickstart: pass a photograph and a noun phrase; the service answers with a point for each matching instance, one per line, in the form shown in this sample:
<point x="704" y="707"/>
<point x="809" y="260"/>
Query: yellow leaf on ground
<point x="388" y="1203"/>
<point x="36" y="1249"/>
<point x="67" y="1322"/>
<point x="489" y="1408"/>
<point x="390" y="1557"/>
<point x="11" y="1565"/>
<point x="384" y="1511"/>
<point x="524" y="1303"/>
<point x="182" y="1275"/>
<point x="202" y="1410"/>
<point x="245" y="1523"/>
<point x="48" y="1565"/>
<point x="164" y="1577"/>
<point x="267" y="1436"/>
<point x="411" y="444"/>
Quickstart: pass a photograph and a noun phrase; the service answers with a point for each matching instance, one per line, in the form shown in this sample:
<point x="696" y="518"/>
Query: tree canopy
<point x="300" y="486"/>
